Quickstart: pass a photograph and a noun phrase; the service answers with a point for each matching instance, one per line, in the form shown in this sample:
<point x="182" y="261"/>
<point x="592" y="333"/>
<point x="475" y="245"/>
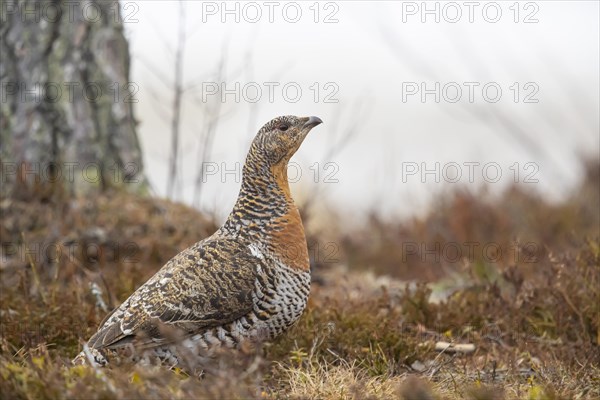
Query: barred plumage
<point x="249" y="280"/>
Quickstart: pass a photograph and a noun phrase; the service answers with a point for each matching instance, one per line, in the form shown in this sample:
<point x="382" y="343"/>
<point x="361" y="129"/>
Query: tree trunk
<point x="67" y="102"/>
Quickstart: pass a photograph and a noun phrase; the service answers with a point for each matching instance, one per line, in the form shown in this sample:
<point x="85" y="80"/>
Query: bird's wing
<point x="208" y="284"/>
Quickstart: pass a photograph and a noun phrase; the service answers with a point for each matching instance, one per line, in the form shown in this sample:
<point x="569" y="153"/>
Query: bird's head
<point x="278" y="139"/>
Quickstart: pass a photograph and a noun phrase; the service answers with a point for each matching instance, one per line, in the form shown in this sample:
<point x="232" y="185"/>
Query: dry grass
<point x="534" y="319"/>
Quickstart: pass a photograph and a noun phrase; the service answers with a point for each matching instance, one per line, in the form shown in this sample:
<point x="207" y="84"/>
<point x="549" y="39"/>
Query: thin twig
<point x="36" y="277"/>
<point x="178" y="94"/>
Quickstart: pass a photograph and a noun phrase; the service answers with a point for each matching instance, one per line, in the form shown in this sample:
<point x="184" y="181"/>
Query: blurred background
<point x="445" y="122"/>
<point x="401" y="87"/>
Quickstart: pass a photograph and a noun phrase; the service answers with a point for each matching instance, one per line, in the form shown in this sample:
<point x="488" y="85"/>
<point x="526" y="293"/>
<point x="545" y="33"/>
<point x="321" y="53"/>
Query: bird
<point x="249" y="281"/>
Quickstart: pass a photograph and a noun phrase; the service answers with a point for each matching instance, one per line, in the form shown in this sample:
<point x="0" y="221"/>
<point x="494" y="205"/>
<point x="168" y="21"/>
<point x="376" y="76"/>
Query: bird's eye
<point x="283" y="127"/>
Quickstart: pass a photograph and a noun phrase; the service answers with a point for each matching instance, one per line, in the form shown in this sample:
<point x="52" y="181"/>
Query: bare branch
<point x="211" y="127"/>
<point x="178" y="94"/>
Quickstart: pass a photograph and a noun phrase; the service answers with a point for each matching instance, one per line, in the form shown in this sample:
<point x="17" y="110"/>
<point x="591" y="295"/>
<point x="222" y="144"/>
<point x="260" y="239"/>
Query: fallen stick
<point x="455" y="348"/>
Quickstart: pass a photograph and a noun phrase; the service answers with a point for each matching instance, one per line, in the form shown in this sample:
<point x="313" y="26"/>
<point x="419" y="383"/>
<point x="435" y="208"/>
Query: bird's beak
<point x="312" y="122"/>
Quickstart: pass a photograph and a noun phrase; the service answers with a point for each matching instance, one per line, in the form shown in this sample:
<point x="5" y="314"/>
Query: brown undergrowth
<point x="532" y="311"/>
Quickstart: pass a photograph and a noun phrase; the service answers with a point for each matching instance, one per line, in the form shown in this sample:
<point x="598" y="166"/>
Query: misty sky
<point x="494" y="93"/>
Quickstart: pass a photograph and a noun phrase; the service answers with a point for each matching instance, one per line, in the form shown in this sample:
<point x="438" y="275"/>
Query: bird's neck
<point x="265" y="213"/>
<point x="264" y="197"/>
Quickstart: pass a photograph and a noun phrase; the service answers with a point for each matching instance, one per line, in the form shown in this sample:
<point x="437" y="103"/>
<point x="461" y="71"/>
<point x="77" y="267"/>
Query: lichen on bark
<point x="67" y="99"/>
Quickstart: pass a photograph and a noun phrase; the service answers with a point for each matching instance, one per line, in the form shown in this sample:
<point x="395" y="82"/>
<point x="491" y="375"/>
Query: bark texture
<point x="67" y="101"/>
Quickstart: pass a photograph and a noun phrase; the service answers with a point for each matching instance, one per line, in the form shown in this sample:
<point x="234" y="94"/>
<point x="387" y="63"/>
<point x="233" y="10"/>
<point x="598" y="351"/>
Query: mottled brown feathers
<point x="249" y="280"/>
<point x="188" y="293"/>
